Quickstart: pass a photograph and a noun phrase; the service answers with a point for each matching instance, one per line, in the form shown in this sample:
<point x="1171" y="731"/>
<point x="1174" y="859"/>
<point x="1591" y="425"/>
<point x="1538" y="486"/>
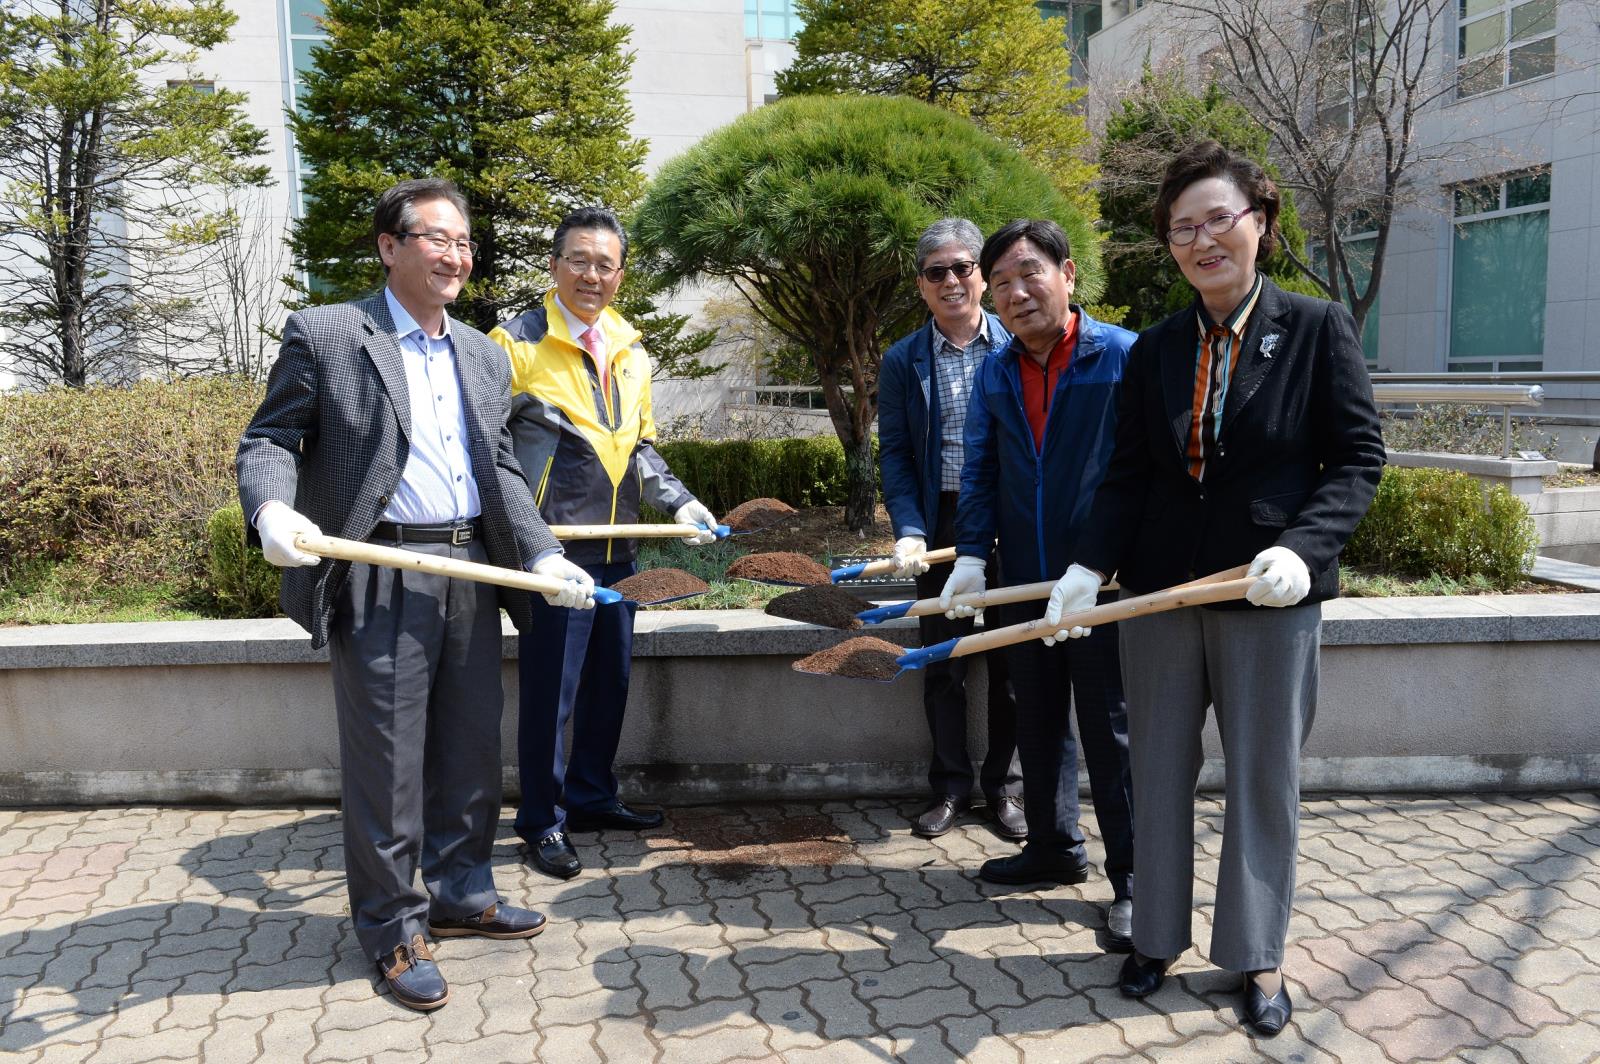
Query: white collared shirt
<point x="437" y="486"/>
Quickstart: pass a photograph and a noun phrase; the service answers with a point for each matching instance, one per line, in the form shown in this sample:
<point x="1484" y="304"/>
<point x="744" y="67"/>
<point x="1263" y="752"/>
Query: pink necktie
<point x="597" y="351"/>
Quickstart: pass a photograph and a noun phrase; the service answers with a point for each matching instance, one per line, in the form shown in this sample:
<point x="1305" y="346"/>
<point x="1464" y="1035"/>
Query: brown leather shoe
<point x="1010" y="821"/>
<point x="940" y="817"/>
<point x="413" y="978"/>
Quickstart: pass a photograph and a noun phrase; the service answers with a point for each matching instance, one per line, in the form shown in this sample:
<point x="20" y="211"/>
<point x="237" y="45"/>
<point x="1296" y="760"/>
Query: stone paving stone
<point x="1460" y="927"/>
<point x="723" y="1043"/>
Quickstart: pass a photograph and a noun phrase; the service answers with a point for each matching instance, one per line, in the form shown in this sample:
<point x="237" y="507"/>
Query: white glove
<point x="1073" y="593"/>
<point x="579" y="592"/>
<point x="693" y="513"/>
<point x="278" y="523"/>
<point x="966" y="579"/>
<point x="908" y="552"/>
<point x="1283" y="578"/>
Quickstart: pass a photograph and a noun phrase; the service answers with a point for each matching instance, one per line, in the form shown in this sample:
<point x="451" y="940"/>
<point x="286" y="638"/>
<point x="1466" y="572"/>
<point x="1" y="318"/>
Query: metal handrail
<point x="1539" y="377"/>
<point x="1505" y="396"/>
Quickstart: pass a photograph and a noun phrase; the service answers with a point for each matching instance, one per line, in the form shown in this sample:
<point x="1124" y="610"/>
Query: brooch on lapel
<point x="1269" y="344"/>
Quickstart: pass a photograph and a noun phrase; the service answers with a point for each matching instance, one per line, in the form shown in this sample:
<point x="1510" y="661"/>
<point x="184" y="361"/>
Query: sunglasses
<point x="936" y="274"/>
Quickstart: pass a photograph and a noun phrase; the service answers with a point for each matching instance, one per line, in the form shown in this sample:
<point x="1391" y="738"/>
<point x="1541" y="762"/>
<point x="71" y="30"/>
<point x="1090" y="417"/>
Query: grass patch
<point x="708" y="563"/>
<point x="74" y="593"/>
<point x="1357" y="583"/>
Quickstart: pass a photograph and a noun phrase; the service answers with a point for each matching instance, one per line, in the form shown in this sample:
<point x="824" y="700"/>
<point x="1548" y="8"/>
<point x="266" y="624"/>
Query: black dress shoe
<point x="1266" y="1015"/>
<point x="1010" y="822"/>
<point x="1119" y="926"/>
<point x="413" y="978"/>
<point x="939" y="818"/>
<point x="1035" y="865"/>
<point x="616" y="815"/>
<point x="554" y="856"/>
<point x="497" y="921"/>
<point x="1142" y="976"/>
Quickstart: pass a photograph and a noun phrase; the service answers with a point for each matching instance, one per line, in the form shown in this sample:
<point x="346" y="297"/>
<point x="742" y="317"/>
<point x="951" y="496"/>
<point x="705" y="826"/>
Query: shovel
<point x="1219" y="587"/>
<point x="395" y="558"/>
<point x="1227" y="586"/>
<point x="887" y="565"/>
<point x="640" y="531"/>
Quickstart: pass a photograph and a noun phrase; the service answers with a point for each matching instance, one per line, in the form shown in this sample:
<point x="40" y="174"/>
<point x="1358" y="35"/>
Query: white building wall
<point x="1547" y="121"/>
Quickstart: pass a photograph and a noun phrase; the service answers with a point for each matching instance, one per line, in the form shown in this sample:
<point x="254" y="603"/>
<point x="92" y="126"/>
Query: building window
<point x="1498" y="264"/>
<point x="772" y="20"/>
<point x="305" y="33"/>
<point x="1501" y="43"/>
<point x="204" y="88"/>
<point x="1083" y="19"/>
<point x="1359" y="248"/>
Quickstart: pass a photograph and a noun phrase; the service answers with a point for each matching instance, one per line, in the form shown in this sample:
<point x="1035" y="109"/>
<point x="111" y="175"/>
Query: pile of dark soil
<point x="862" y="658"/>
<point x="779" y="567"/>
<point x="757" y="513"/>
<point x="653" y="585"/>
<point x="830" y="607"/>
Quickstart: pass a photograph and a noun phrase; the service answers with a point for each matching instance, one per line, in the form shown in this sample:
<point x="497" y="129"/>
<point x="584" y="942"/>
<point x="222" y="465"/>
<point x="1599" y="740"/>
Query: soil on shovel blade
<point x="862" y="658"/>
<point x="830" y="607"/>
<point x="653" y="585"/>
<point x="757" y="513"/>
<point x="784" y="566"/>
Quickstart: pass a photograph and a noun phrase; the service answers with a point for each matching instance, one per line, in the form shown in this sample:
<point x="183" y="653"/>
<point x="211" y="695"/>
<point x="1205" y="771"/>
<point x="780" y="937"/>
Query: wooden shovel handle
<point x="624" y="531"/>
<point x="1227" y="586"/>
<point x="887" y="565"/>
<point x="395" y="558"/>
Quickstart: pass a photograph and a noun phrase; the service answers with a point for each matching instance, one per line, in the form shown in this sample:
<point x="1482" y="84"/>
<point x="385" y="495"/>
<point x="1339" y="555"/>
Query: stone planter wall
<point x="1417" y="694"/>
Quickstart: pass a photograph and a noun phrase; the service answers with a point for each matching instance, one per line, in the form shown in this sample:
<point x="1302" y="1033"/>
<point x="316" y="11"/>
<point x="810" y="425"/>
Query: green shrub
<point x="119" y="480"/>
<point x="1441" y="522"/>
<point x="725" y="473"/>
<point x="241" y="580"/>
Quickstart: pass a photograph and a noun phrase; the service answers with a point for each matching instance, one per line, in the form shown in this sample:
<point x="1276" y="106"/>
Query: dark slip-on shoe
<point x="497" y="921"/>
<point x="616" y="815"/>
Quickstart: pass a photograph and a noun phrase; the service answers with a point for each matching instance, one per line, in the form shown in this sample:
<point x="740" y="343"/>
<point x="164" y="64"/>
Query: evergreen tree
<point x="522" y="103"/>
<point x="811" y="208"/>
<point x="997" y="62"/>
<point x="1154" y="120"/>
<point x="105" y="167"/>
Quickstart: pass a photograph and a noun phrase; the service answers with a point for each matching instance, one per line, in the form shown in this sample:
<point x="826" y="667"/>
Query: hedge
<point x="121" y="480"/>
<point x="1441" y="521"/>
<point x="724" y="473"/>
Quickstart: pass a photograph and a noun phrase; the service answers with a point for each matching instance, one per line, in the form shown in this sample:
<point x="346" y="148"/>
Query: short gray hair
<point x="949" y="231"/>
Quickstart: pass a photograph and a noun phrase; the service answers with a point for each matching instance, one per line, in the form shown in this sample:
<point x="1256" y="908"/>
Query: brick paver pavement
<point x="1428" y="928"/>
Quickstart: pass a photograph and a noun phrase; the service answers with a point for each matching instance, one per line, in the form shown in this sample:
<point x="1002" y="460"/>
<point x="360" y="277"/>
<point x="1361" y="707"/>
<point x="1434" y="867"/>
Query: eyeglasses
<point x="583" y="266"/>
<point x="442" y="243"/>
<point x="936" y="274"/>
<point x="1184" y="235"/>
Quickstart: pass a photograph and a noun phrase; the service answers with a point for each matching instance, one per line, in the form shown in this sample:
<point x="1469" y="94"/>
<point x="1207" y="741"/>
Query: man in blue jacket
<point x="924" y="386"/>
<point x="1038" y="438"/>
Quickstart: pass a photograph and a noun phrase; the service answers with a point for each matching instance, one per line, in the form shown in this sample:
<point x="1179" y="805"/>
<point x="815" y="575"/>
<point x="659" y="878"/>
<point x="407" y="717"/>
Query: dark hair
<point x="590" y="218"/>
<point x="396" y="211"/>
<point x="1210" y="159"/>
<point x="1044" y="234"/>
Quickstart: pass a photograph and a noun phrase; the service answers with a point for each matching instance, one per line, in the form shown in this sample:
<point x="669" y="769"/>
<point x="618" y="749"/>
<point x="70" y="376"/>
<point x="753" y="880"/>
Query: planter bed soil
<point x="757" y="514"/>
<point x="830" y="607"/>
<point x="862" y="658"/>
<point x="653" y="585"/>
<point x="780" y="567"/>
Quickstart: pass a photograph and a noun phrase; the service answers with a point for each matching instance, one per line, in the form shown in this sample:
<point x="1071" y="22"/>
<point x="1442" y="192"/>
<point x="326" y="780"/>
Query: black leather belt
<point x="465" y="532"/>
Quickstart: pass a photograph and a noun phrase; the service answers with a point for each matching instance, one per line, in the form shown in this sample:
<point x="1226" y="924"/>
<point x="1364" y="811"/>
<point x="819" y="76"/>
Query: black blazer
<point x="1296" y="465"/>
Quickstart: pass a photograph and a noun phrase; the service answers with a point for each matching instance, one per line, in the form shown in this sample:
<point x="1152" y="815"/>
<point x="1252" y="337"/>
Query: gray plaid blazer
<point x="331" y="440"/>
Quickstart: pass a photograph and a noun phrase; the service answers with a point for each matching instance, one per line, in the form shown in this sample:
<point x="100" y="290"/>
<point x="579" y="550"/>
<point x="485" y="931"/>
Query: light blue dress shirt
<point x="437" y="486"/>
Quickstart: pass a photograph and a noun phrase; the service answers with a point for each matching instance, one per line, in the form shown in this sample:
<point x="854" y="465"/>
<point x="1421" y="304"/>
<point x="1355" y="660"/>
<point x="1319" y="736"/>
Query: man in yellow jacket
<point x="582" y="424"/>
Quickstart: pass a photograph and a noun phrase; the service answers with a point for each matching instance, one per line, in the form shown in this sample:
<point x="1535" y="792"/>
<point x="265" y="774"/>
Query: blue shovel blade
<point x="879" y="614"/>
<point x="916" y="659"/>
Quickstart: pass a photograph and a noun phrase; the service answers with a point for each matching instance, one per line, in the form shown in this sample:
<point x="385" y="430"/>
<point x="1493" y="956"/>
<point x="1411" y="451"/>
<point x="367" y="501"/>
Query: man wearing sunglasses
<point x="583" y="423"/>
<point x="923" y="388"/>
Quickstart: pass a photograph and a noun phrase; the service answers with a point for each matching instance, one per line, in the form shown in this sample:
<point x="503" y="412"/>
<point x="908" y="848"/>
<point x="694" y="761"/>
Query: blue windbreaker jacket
<point x="1035" y="500"/>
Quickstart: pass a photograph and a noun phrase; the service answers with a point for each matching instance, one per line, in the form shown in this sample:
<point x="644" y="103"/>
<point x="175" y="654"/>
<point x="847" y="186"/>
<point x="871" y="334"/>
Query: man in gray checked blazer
<point x="386" y="421"/>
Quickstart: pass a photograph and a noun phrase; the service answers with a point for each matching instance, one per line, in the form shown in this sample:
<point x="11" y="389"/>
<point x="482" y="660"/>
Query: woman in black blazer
<point x="1246" y="433"/>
